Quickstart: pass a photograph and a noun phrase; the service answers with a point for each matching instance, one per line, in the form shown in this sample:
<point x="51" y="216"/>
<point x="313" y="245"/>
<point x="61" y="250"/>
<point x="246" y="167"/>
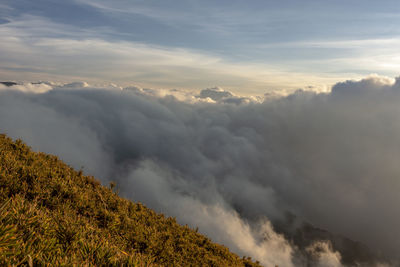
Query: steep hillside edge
<point x="52" y="214"/>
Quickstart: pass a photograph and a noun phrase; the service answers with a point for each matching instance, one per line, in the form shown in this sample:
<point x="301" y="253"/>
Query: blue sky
<point x="249" y="47"/>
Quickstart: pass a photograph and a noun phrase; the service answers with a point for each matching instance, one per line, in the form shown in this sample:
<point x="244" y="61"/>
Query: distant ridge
<point x="8" y="83"/>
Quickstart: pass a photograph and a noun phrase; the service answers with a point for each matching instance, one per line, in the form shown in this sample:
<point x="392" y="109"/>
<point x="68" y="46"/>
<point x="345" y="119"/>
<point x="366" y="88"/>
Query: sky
<point x="248" y="47"/>
<point x="195" y="104"/>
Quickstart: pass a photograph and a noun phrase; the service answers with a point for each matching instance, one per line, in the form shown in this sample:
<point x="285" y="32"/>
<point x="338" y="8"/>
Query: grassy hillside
<point x="52" y="214"/>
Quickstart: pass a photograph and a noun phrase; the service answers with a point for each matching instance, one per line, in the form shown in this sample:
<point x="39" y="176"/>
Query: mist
<point x="238" y="168"/>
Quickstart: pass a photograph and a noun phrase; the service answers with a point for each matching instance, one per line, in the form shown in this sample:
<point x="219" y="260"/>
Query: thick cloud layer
<point x="233" y="167"/>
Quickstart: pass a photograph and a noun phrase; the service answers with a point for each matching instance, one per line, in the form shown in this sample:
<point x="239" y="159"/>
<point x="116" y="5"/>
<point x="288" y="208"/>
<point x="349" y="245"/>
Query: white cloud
<point x="215" y="93"/>
<point x="329" y="159"/>
<point x="28" y="87"/>
<point x="323" y="256"/>
<point x="157" y="186"/>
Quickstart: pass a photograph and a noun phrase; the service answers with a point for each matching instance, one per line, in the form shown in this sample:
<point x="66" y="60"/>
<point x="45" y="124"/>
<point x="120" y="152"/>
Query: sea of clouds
<point x="238" y="168"/>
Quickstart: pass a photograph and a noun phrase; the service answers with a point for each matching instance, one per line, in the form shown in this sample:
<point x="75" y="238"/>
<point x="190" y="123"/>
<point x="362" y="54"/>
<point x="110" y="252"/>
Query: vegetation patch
<point x="52" y="215"/>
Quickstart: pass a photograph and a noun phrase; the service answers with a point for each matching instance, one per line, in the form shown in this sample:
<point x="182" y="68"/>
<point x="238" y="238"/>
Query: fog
<point x="236" y="167"/>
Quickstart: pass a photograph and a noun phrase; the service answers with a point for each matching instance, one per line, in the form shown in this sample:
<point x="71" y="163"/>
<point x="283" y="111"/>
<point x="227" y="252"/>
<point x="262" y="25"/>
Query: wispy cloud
<point x="348" y="44"/>
<point x="6" y="7"/>
<point x="197" y="44"/>
<point x="64" y="50"/>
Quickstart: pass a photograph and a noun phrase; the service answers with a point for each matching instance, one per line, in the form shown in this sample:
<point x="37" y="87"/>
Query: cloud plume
<point x="239" y="170"/>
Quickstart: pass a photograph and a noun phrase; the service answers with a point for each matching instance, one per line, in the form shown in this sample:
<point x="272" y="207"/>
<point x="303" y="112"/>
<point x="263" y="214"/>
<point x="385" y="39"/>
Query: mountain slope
<point x="52" y="214"/>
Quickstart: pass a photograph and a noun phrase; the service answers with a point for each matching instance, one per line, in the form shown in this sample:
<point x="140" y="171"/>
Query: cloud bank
<point x="253" y="173"/>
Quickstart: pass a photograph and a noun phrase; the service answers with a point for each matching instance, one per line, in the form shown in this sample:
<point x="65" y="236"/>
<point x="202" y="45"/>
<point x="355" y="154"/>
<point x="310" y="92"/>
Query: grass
<point x="52" y="215"/>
